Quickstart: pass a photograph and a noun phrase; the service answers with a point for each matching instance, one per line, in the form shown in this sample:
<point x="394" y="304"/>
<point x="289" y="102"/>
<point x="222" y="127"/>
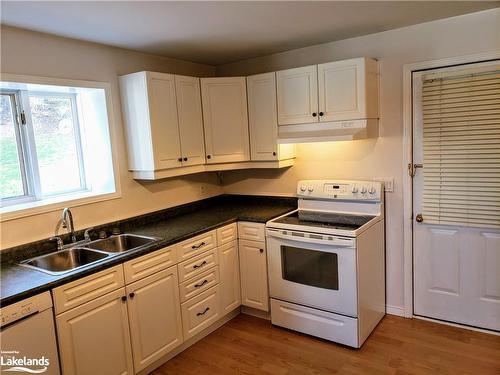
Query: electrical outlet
<point x="388" y="183"/>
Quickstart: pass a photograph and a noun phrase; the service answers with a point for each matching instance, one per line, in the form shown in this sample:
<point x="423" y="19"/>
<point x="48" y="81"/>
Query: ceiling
<point x="212" y="32"/>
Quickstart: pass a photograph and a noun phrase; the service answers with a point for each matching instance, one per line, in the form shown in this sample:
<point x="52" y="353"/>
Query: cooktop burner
<point x="325" y="220"/>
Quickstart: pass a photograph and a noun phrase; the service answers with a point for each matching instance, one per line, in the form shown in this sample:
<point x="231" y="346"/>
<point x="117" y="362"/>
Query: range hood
<point x="328" y="131"/>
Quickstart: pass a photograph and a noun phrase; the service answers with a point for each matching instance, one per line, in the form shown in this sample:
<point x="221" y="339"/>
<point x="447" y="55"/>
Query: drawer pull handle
<point x="204" y="311"/>
<point x="200" y="265"/>
<point x="194" y="247"/>
<point x="201" y="284"/>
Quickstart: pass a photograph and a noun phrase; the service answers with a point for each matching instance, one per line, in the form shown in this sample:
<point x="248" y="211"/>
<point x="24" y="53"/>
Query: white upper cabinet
<point x="263" y="119"/>
<point x="190" y="120"/>
<point x="348" y="90"/>
<point x="225" y="119"/>
<point x="162" y="114"/>
<point x="297" y="92"/>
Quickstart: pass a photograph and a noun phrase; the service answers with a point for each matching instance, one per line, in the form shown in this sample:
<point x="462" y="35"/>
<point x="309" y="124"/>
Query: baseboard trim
<point x="395" y="310"/>
<point x="456" y="325"/>
<point x="257" y="313"/>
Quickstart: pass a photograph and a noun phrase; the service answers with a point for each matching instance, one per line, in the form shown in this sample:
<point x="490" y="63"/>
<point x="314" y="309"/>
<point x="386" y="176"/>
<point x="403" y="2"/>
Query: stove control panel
<point x="340" y="190"/>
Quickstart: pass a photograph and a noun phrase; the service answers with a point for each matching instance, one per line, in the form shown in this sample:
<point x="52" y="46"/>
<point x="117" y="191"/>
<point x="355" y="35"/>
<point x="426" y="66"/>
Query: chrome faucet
<point x="67" y="223"/>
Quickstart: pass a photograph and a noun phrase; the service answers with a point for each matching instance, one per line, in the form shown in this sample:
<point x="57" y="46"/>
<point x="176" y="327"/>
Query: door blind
<point x="461" y="148"/>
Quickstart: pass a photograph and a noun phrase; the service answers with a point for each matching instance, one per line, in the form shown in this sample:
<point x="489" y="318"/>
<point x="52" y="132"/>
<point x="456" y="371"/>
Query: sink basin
<point x="120" y="243"/>
<point x="65" y="260"/>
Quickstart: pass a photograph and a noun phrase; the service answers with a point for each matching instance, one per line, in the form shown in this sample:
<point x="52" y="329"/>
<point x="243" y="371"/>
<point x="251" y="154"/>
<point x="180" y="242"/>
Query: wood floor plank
<point x="247" y="345"/>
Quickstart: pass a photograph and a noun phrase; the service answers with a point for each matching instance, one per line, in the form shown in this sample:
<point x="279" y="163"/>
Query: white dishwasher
<point x="27" y="337"/>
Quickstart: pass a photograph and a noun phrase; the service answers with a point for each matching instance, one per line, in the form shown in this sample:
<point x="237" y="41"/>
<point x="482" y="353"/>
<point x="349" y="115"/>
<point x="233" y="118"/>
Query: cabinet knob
<point x="274" y="153"/>
<point x="208" y="156"/>
<point x="261" y="250"/>
<point x="179" y="159"/>
<point x="314" y="114"/>
<point x="321" y="113"/>
<point x="419" y="218"/>
<point x="131" y="295"/>
<point x="185" y="159"/>
<point x="124" y="298"/>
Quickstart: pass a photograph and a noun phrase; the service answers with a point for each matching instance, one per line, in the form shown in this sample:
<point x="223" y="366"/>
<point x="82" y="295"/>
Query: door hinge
<point x="22" y="118"/>
<point x="412" y="169"/>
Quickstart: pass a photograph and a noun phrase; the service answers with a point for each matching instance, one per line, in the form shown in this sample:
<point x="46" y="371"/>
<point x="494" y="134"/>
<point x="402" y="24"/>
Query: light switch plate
<point x="388" y="183"/>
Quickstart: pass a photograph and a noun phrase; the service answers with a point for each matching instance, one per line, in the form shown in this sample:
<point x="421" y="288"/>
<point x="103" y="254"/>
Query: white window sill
<point x="32" y="208"/>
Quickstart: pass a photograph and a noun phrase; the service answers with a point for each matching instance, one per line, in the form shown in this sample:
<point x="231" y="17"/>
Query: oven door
<point x="313" y="270"/>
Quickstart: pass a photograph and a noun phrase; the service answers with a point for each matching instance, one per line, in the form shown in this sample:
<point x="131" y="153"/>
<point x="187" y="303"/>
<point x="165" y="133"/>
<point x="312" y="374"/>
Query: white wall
<point x="367" y="159"/>
<point x="30" y="53"/>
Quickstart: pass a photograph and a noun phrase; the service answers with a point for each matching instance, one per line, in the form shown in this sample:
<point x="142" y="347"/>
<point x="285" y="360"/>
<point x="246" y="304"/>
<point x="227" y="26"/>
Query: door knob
<point x="419" y="218"/>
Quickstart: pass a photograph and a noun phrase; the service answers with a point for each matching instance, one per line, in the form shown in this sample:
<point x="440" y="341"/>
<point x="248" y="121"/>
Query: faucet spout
<point x="67" y="223"/>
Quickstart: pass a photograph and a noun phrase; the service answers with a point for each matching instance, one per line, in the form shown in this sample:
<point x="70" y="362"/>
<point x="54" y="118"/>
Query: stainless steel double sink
<point x="83" y="255"/>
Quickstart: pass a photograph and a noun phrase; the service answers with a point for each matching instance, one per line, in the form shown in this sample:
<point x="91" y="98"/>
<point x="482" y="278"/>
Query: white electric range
<point x="326" y="261"/>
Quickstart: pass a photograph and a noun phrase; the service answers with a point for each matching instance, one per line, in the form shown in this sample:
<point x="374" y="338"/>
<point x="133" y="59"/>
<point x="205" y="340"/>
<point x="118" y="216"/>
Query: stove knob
<point x="303" y="188"/>
<point x="363" y="190"/>
<point x="354" y="189"/>
<point x="371" y="190"/>
<point x="310" y="188"/>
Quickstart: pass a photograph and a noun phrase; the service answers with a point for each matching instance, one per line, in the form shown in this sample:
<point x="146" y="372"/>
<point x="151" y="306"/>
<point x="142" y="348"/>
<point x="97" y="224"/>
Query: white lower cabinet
<point x="154" y="317"/>
<point x="230" y="277"/>
<point x="200" y="312"/>
<point x="253" y="272"/>
<point x="94" y="338"/>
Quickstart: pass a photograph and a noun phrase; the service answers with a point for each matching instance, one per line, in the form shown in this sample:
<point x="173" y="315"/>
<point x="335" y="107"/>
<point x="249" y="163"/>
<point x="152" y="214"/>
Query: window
<point x="54" y="145"/>
<point x="461" y="147"/>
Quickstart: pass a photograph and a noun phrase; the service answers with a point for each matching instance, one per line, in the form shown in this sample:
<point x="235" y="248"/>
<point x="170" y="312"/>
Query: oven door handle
<point x="336" y="241"/>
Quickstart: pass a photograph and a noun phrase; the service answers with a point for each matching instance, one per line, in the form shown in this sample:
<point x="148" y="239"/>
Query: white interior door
<point x="456" y="196"/>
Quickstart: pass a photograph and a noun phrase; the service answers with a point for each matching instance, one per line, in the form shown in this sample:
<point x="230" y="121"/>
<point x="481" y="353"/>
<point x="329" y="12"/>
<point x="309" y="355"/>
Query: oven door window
<point x="310" y="267"/>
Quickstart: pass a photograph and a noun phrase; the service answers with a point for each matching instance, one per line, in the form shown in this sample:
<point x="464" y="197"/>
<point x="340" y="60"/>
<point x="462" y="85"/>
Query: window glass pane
<point x="56" y="144"/>
<point x="11" y="181"/>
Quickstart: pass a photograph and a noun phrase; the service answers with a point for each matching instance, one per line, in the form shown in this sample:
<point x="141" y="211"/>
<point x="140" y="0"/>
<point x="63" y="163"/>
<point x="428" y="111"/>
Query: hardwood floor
<point x="248" y="345"/>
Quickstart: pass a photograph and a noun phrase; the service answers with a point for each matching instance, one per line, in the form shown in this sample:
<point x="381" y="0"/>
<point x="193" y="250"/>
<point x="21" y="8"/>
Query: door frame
<point x="408" y="70"/>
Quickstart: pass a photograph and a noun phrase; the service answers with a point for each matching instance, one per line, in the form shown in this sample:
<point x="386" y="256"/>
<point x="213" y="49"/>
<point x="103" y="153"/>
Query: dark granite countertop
<point x="170" y="226"/>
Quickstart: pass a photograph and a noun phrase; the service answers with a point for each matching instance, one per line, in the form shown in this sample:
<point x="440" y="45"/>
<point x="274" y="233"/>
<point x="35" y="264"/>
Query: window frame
<point x="27" y="151"/>
<point x="84" y="186"/>
<point x="31" y="207"/>
<point x="22" y="152"/>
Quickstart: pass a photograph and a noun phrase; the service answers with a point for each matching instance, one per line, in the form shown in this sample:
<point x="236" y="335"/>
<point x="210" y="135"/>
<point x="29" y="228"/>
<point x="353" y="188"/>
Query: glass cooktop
<point x="325" y="220"/>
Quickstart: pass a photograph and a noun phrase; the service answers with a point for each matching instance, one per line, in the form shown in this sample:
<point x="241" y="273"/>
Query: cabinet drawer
<point x="196" y="245"/>
<point x="227" y="234"/>
<point x="200" y="312"/>
<point x="329" y="326"/>
<point x="87" y="288"/>
<point x="197" y="265"/>
<point x="196" y="285"/>
<point x="149" y="264"/>
<point x="251" y="231"/>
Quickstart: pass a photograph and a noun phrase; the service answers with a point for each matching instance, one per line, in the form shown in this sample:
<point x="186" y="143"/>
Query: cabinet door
<point x="155" y="317"/>
<point x="225" y="119"/>
<point x="230" y="277"/>
<point x="344" y="88"/>
<point x="164" y="121"/>
<point x="190" y="120"/>
<point x="263" y="116"/>
<point x="253" y="270"/>
<point x="297" y="92"/>
<point x="94" y="338"/>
